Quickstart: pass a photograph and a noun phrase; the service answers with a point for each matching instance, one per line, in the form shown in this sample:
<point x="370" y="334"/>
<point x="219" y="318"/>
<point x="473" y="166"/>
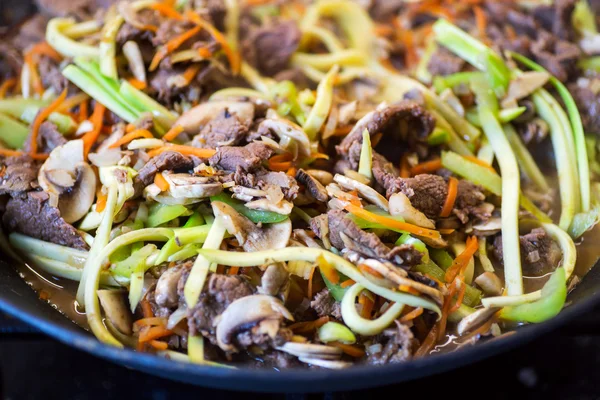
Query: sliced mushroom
<point x="322" y="176"/>
<point x="114" y="304"/>
<point x="250" y="236"/>
<point x="69" y="180"/>
<point x="524" y="85"/>
<point x="275" y="281"/>
<point x="329" y="364"/>
<point x="191" y="187"/>
<point x="333" y="190"/>
<point x="400" y="205"/>
<point x="365" y="191"/>
<point x="475" y="319"/>
<point x="314" y="187"/>
<point x="311" y="351"/>
<point x="249" y="311"/>
<point x="489" y="283"/>
<point x="285" y="129"/>
<point x="165" y="293"/>
<point x="308" y="241"/>
<point x="195" y="118"/>
<point x="489" y="227"/>
<point x="283" y="207"/>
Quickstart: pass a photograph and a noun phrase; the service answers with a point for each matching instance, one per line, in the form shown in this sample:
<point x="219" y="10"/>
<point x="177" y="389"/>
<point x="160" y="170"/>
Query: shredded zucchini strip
<point x="525" y="159"/>
<point x="361" y="325"/>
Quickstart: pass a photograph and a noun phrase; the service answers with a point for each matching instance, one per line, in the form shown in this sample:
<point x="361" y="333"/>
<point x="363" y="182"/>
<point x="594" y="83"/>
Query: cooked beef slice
<point x="384" y="10"/>
<point x="365" y="243"/>
<point x="48" y="138"/>
<point x="167" y="161"/>
<point x="443" y="62"/>
<point x="406" y="120"/>
<point x="255" y="336"/>
<point x="539" y="252"/>
<point x="557" y="19"/>
<point x="270" y="47"/>
<point x="79" y="8"/>
<point x="261" y="178"/>
<point x="31" y="32"/>
<point x="397" y="346"/>
<point x="588" y="103"/>
<point x="325" y="305"/>
<point x="20" y="175"/>
<point x="224" y="130"/>
<point x="33" y="216"/>
<point x="313" y="186"/>
<point x="248" y="157"/>
<point x="219" y="292"/>
<point x="51" y="74"/>
<point x="559" y="57"/>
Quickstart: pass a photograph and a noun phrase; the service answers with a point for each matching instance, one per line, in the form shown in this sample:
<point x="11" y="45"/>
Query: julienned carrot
<point x="404" y="167"/>
<point x="43" y="48"/>
<point x="41" y="117"/>
<point x="150" y="321"/>
<point x="173" y="45"/>
<point x="136" y="83"/>
<point x="392" y="223"/>
<point x="280" y="166"/>
<point x="408" y="289"/>
<point x="158" y="345"/>
<point x="136" y="134"/>
<point x="429" y="342"/>
<point x="328" y="270"/>
<point x="450" y="198"/>
<point x="10" y="153"/>
<point x="204" y="52"/>
<point x="191" y="72"/>
<point x="101" y="202"/>
<point x="446" y="231"/>
<point x="459" y="298"/>
<point x="154" y="332"/>
<point x="481" y="21"/>
<point x="187" y="150"/>
<point x="146" y="309"/>
<point x="233" y="270"/>
<point x="479" y="161"/>
<point x="446" y="311"/>
<point x="367" y="305"/>
<point x="167" y="10"/>
<point x="426" y="167"/>
<point x="368" y="270"/>
<point x="6" y="85"/>
<point x="83" y="111"/>
<point x="173" y="133"/>
<point x="72" y="102"/>
<point x="462" y="260"/>
<point x="309" y="326"/>
<point x="310" y="281"/>
<point x="291" y="171"/>
<point x="411" y="315"/>
<point x="346" y="283"/>
<point x="352" y="351"/>
<point x="97" y="120"/>
<point x="161" y="182"/>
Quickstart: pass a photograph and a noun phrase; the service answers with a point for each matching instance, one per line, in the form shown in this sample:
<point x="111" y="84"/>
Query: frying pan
<point x="20" y="301"/>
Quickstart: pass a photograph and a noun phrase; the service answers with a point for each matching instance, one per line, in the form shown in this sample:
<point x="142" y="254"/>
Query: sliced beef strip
<point x="20" y="175"/>
<point x="279" y="360"/>
<point x="33" y="216"/>
<point x="397" y="346"/>
<point x="365" y="243"/>
<point x="325" y="305"/>
<point x="79" y="8"/>
<point x="443" y="62"/>
<point x="248" y="157"/>
<point x="417" y="123"/>
<point x="588" y="103"/>
<point x="48" y="138"/>
<point x="219" y="292"/>
<point x="313" y="186"/>
<point x="254" y="336"/>
<point x="224" y="130"/>
<point x="270" y="47"/>
<point x="559" y="57"/>
<point x="261" y="178"/>
<point x="167" y="161"/>
<point x="558" y="18"/>
<point x="384" y="10"/>
<point x="51" y="74"/>
<point x="538" y="251"/>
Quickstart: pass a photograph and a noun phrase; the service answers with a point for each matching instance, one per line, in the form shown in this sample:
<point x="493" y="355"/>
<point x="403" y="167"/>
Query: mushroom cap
<point x="247" y="312"/>
<point x="114" y="304"/>
<point x="75" y="204"/>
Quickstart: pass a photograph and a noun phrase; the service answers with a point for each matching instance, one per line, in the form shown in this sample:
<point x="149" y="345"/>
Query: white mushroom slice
<point x="76" y="203"/>
<point x="590" y="44"/>
<point x="195" y="118"/>
<point x="191" y="187"/>
<point x="336" y="204"/>
<point x="249" y="192"/>
<point x="65" y="157"/>
<point x="489" y="227"/>
<point x="115" y="307"/>
<point x="322" y="176"/>
<point x="165" y="293"/>
<point x="61" y="178"/>
<point x="105" y="158"/>
<point x="350" y="173"/>
<point x="333" y="190"/>
<point x="286" y="129"/>
<point x="145" y="143"/>
<point x="246" y="312"/>
<point x="523" y="85"/>
<point x="186" y="179"/>
<point x="400" y="205"/>
<point x="329" y="364"/>
<point x="347" y="112"/>
<point x="489" y="283"/>
<point x="283" y="207"/>
<point x="275" y="281"/>
<point x="309" y="350"/>
<point x="475" y="319"/>
<point x="366" y="192"/>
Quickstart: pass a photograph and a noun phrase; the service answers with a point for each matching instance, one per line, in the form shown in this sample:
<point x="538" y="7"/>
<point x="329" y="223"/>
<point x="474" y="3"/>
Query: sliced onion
<point x="85" y="127"/>
<point x="177" y="316"/>
<point x="134" y="58"/>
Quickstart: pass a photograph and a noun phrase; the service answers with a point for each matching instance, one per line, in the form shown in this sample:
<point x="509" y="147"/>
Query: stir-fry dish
<point x="302" y="184"/>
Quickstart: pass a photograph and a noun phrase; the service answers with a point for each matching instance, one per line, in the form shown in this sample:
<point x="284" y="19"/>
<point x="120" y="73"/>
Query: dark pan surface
<point x="19" y="300"/>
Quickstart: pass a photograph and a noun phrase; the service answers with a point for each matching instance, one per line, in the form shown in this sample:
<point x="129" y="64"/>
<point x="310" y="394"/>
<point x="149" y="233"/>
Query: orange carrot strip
<point x="346" y="283"/>
<point x="154" y="332"/>
<point x="138" y="133"/>
<point x="462" y="260"/>
<point x="309" y="326"/>
<point x="173" y="133"/>
<point x="480" y="162"/>
<point x="292" y="171"/>
<point x="83" y="111"/>
<point x="97" y="118"/>
<point x="17" y="153"/>
<point x="429" y="342"/>
<point x="130" y="128"/>
<point x="328" y="270"/>
<point x="167" y="10"/>
<point x="161" y="182"/>
<point x="280" y="166"/>
<point x="6" y="85"/>
<point x="392" y="223"/>
<point x="459" y="298"/>
<point x="41" y="117"/>
<point x="43" y="48"/>
<point x="451" y="198"/>
<point x="447" y="231"/>
<point x="204" y="52"/>
<point x="426" y="167"/>
<point x="101" y="202"/>
<point x="136" y="83"/>
<point x="282" y="157"/>
<point x="191" y="72"/>
<point x="233" y="270"/>
<point x="367" y="305"/>
<point x="411" y="315"/>
<point x="310" y="281"/>
<point x="352" y="351"/>
<point x="146" y="309"/>
<point x="368" y="270"/>
<point x="158" y="345"/>
<point x="151" y="321"/>
<point x="172" y="45"/>
<point x="481" y="21"/>
<point x="187" y="150"/>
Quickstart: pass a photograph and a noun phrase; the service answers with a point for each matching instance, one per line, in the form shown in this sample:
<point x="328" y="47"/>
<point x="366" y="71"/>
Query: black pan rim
<point x="257" y="380"/>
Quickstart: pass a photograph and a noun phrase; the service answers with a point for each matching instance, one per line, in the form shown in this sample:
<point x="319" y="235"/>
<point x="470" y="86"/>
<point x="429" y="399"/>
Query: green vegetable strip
<point x="472" y="296"/>
<point x="577" y="126"/>
<point x="256" y="216"/>
<point x="365" y="164"/>
<point x="422" y="72"/>
<point x="108" y="45"/>
<point x="320" y="111"/>
<point x="583" y="222"/>
<point x="141" y="101"/>
<point x="16" y="106"/>
<point x="12" y="132"/>
<point x="37" y="247"/>
<point x="510" y="188"/>
<point x="64" y="123"/>
<point x="67" y="271"/>
<point x="566" y="176"/>
<point x="525" y="159"/>
<point x="455" y="143"/>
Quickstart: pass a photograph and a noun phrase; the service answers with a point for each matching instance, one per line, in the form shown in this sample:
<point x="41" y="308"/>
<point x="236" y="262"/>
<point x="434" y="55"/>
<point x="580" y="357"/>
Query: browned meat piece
<point x="539" y="253"/>
<point x="384" y="10"/>
<point x="167" y="161"/>
<point x="397" y="346"/>
<point x="255" y="336"/>
<point x="269" y="48"/>
<point x="169" y="29"/>
<point x="224" y="130"/>
<point x="279" y="360"/>
<point x="294" y="75"/>
<point x="51" y="74"/>
<point x="261" y="178"/>
<point x="248" y="157"/>
<point x="325" y="305"/>
<point x="443" y="62"/>
<point x="558" y="18"/>
<point x="219" y="292"/>
<point x="216" y="13"/>
<point x="417" y="121"/>
<point x="557" y="56"/>
<point x="79" y="8"/>
<point x="47" y="140"/>
<point x="365" y="243"/>
<point x="129" y="32"/>
<point x="588" y="103"/>
<point x="313" y="186"/>
<point x="20" y="175"/>
<point x="34" y="216"/>
<point x="31" y="32"/>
